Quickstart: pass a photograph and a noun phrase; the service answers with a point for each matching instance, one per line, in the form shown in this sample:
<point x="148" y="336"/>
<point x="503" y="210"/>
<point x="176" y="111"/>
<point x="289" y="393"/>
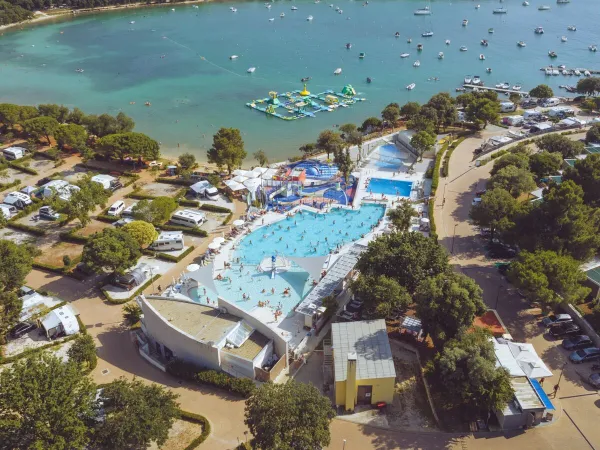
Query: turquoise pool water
<point x="305" y="234"/>
<point x="390" y="187"/>
<point x="387" y="157"/>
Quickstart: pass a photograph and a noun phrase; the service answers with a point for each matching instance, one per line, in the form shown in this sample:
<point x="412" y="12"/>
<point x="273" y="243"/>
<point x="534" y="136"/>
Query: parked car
<point x="21" y="329"/>
<point x="124" y="221"/>
<point x="501" y="251"/>
<point x="48" y="213"/>
<point x="577" y="342"/>
<point x="476" y="201"/>
<point x="83" y="269"/>
<point x="594" y="380"/>
<point x="585" y="355"/>
<point x="565" y="329"/>
<point x="556" y="318"/>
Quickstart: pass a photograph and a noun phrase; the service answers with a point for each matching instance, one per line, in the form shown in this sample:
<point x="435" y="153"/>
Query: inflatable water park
<point x="298" y="104"/>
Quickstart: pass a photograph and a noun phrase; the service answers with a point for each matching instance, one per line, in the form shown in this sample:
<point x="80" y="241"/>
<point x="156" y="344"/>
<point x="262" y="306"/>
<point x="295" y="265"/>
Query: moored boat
<point x="481" y="57"/>
<point x="572" y="28"/>
<point x="468" y="79"/>
<point x="563" y="39"/>
<point x="500" y="11"/>
<point x="427" y="34"/>
<point x="465" y="22"/>
<point x="233" y="57"/>
<point x="539" y="30"/>
<point x="411" y="86"/>
<point x="484" y="42"/>
<point x="463" y="48"/>
<point x="337" y="71"/>
<point x="309" y="18"/>
<point x="419" y="47"/>
<point x="491" y="30"/>
<point x="422" y="11"/>
<point x="552" y="54"/>
<point x="593" y="48"/>
<point x="251" y="70"/>
<point x="544" y="8"/>
<point x="488" y="70"/>
<point x="404" y="55"/>
<point x="521" y="44"/>
<point x="441" y="55"/>
<point x="417" y="63"/>
<point x="362" y="55"/>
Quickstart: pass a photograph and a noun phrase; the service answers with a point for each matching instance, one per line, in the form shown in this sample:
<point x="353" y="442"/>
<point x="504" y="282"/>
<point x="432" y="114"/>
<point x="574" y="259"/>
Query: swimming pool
<point x="387" y="157"/>
<point x="306" y="234"/>
<point x="390" y="187"/>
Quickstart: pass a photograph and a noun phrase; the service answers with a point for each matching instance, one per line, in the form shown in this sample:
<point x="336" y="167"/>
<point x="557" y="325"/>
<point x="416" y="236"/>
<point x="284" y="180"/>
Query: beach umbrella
<point x="238" y="223"/>
<point x="192" y="267"/>
<point x="214" y="245"/>
<point x="219" y="240"/>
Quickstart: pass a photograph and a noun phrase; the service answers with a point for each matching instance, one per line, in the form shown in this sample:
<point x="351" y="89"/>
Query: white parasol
<point x="238" y="223"/>
<point x="192" y="267"/>
<point x="214" y="245"/>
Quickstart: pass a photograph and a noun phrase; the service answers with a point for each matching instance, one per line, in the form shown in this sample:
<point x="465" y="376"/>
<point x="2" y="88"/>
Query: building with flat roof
<point x="527" y="407"/>
<point x="207" y="336"/>
<point x="364" y="370"/>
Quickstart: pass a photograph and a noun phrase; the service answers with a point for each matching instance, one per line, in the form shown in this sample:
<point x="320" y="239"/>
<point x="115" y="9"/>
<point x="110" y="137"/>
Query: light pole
<point x="453" y="236"/>
<point x="557" y="385"/>
<point x="498" y="296"/>
<point x="344" y="446"/>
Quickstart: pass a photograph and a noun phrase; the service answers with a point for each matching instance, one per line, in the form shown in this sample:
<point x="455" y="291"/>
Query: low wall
<point x="583" y="324"/>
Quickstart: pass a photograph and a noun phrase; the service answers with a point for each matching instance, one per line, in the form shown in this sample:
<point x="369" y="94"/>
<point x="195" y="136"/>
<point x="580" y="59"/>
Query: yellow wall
<point x="383" y="390"/>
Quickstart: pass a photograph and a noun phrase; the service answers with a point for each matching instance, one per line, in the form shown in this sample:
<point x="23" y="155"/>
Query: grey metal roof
<point x="340" y="270"/>
<point x="369" y="340"/>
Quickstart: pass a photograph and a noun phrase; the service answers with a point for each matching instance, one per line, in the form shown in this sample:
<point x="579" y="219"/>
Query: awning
<point x="204" y="277"/>
<point x="312" y="264"/>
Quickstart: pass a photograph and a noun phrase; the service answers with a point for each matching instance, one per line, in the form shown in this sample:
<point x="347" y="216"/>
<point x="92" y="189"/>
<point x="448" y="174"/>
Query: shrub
<point x="185" y="202"/>
<point x="214" y="208"/>
<point x="27" y="228"/>
<point x="183" y="369"/>
<point x="242" y="386"/>
<point x="176" y="181"/>
<point x="195" y="231"/>
<point x="6" y="186"/>
<point x="66" y="260"/>
<point x="172" y="258"/>
<point x="201" y="420"/>
<point x="227" y="219"/>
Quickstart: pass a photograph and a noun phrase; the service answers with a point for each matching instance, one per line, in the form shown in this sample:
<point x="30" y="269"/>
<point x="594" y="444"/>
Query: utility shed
<point x="363" y="364"/>
<point x="525" y="410"/>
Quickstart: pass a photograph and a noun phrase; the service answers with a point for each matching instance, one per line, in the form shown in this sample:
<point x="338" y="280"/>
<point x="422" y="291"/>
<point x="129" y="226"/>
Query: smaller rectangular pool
<point x="399" y="188"/>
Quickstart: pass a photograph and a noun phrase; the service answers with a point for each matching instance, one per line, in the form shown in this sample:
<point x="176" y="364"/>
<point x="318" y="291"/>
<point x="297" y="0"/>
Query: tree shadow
<point x="382" y="439"/>
<point x="464" y="198"/>
<point x="463" y="248"/>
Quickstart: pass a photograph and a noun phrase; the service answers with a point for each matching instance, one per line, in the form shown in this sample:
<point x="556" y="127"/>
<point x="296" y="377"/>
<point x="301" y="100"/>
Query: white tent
<point x="219" y="240"/>
<point x="234" y="185"/>
<point x="252" y="184"/>
<point x="239" y="178"/>
<point x="237" y="172"/>
<point x="269" y="174"/>
<point x="214" y="245"/>
<point x="259" y="171"/>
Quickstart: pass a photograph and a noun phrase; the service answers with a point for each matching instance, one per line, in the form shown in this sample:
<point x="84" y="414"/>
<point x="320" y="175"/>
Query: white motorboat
<point x="132" y="22"/>
<point x="447" y="41"/>
<point x="539" y="30"/>
<point x="340" y="11"/>
<point x="572" y="28"/>
<point x="404" y="55"/>
<point x="563" y="39"/>
<point x="423" y="11"/>
<point x="593" y="48"/>
<point x="463" y="48"/>
<point x="565" y="72"/>
<point x="397" y="34"/>
<point x="481" y="57"/>
<point x="348" y="45"/>
<point x="552" y="54"/>
<point x="490" y="30"/>
<point x="233" y="57"/>
<point x="516" y="87"/>
<point x="294" y="8"/>
<point x="526" y="3"/>
<point x="282" y="15"/>
<point x="577" y="72"/>
<point x="419" y="47"/>
<point x="233" y="9"/>
<point x="548" y="71"/>
<point x="563" y="2"/>
<point x="441" y="55"/>
<point x="521" y="44"/>
<point x="337" y="8"/>
<point x="465" y="22"/>
<point x="500" y="11"/>
<point x="411" y="86"/>
<point x="337" y="71"/>
<point x="476" y="81"/>
<point x="409" y="40"/>
<point x="272" y="19"/>
<point x="468" y="79"/>
<point x="504" y="85"/>
<point x="544" y="8"/>
<point x="195" y="6"/>
<point x="555" y="72"/>
<point x="172" y="9"/>
<point x="427" y="34"/>
<point x="477" y="6"/>
<point x="268" y="6"/>
<point x="251" y="70"/>
<point x="417" y="63"/>
<point x="331" y="5"/>
<point x="488" y="70"/>
<point x="309" y="18"/>
<point x="586" y="73"/>
<point x="484" y="42"/>
<point x="79" y="70"/>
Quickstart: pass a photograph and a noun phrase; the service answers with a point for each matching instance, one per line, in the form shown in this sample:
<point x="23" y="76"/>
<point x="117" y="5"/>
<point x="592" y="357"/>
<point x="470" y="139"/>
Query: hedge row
<point x="227" y="219"/>
<point x="135" y="294"/>
<point x="446" y="166"/>
<point x="33" y="351"/>
<point x="176" y="181"/>
<point x="432" y="229"/>
<point x="214" y="208"/>
<point x="21" y="168"/>
<point x="106" y="218"/>
<point x="436" y="168"/>
<point x="195" y="231"/>
<point x="3" y="187"/>
<point x="186" y="202"/>
<point x="28" y="228"/>
<point x="176" y="259"/>
<point x="200" y="420"/>
<point x="137" y="196"/>
<point x="70" y="236"/>
<point x="61" y="270"/>
<point x="37" y="204"/>
<point x="45" y="155"/>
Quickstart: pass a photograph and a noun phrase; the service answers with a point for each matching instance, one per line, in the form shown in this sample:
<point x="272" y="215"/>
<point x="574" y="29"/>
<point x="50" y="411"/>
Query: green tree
<point x="401" y="216"/>
<point x="410" y="110"/>
<point x="289" y="416"/>
<point x="382" y="296"/>
<point x="586" y="173"/>
<point x="541" y="91"/>
<point x="473" y="385"/>
<point x="144" y="233"/>
<point x="555" y="143"/>
<point x="308" y="149"/>
<point x="518" y="160"/>
<point x="512" y="179"/>
<point x="41" y="127"/>
<point x="483" y="111"/>
<point x="84" y="201"/>
<point x="345" y="164"/>
<point x="134" y="145"/>
<point x="45" y="404"/>
<point x="549" y="278"/>
<point x="27" y="112"/>
<point x="214" y="179"/>
<point x="157" y="210"/>
<point x="407" y="258"/>
<point x="10" y="311"/>
<point x="261" y="157"/>
<point x="137" y="414"/>
<point x="447" y="304"/>
<point x="227" y="149"/>
<point x="391" y="114"/>
<point x="588" y="86"/>
<point x="330" y="142"/>
<point x="10" y="13"/>
<point x="111" y="249"/>
<point x="347" y="128"/>
<point x="370" y="125"/>
<point x="132" y="313"/>
<point x="9" y="114"/>
<point x="495" y="212"/>
<point x="72" y="135"/>
<point x="59" y="112"/>
<point x="83" y="352"/>
<point x="421" y="122"/>
<point x="105" y="124"/>
<point x="515" y="98"/>
<point x="593" y="134"/>
<point x="77" y="117"/>
<point x="16" y="264"/>
<point x="422" y="142"/>
<point x="187" y="161"/>
<point x="445" y="107"/>
<point x="543" y="164"/>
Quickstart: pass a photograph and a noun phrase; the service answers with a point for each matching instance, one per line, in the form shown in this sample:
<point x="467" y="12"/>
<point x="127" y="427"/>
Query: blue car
<point x="577" y="342"/>
<point x="585" y="355"/>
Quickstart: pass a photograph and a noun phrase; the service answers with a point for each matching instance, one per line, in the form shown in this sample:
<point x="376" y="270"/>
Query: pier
<point x="500" y="90"/>
<point x="591" y="71"/>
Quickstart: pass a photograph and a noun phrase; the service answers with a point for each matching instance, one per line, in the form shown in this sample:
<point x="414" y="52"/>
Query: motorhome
<point x="108" y="182"/>
<point x="18" y="200"/>
<point x="12" y="153"/>
<point x="188" y="218"/>
<point x="553" y="101"/>
<point x="507" y="107"/>
<point x="7" y="211"/>
<point x="168" y="241"/>
<point x="204" y="189"/>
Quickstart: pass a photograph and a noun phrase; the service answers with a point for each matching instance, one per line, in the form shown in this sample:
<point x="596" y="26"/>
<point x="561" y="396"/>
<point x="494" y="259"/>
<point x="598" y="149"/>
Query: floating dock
<point x="489" y="88"/>
<point x="298" y="104"/>
<point x="591" y="71"/>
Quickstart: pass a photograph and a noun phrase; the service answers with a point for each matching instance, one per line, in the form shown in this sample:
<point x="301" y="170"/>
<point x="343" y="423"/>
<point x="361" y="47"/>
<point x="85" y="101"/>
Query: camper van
<point x="188" y="218"/>
<point x="553" y="101"/>
<point x="168" y="241"/>
<point x="116" y="208"/>
<point x="108" y="182"/>
<point x="12" y="153"/>
<point x="507" y="107"/>
<point x="204" y="189"/>
<point x="7" y="211"/>
<point x="18" y="200"/>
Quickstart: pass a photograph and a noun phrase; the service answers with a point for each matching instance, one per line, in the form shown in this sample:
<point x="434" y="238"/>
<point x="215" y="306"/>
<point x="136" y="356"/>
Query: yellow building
<point x="363" y="364"/>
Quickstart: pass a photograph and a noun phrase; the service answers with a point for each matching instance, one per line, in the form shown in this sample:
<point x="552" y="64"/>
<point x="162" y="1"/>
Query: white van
<point x="8" y="211"/>
<point x="116" y="209"/>
<point x="18" y="200"/>
<point x="12" y="153"/>
<point x="553" y="101"/>
<point x="188" y="218"/>
<point x="168" y="241"/>
<point x="507" y="107"/>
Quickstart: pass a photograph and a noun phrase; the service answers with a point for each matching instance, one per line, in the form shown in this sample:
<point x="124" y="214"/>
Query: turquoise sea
<point x="158" y="59"/>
